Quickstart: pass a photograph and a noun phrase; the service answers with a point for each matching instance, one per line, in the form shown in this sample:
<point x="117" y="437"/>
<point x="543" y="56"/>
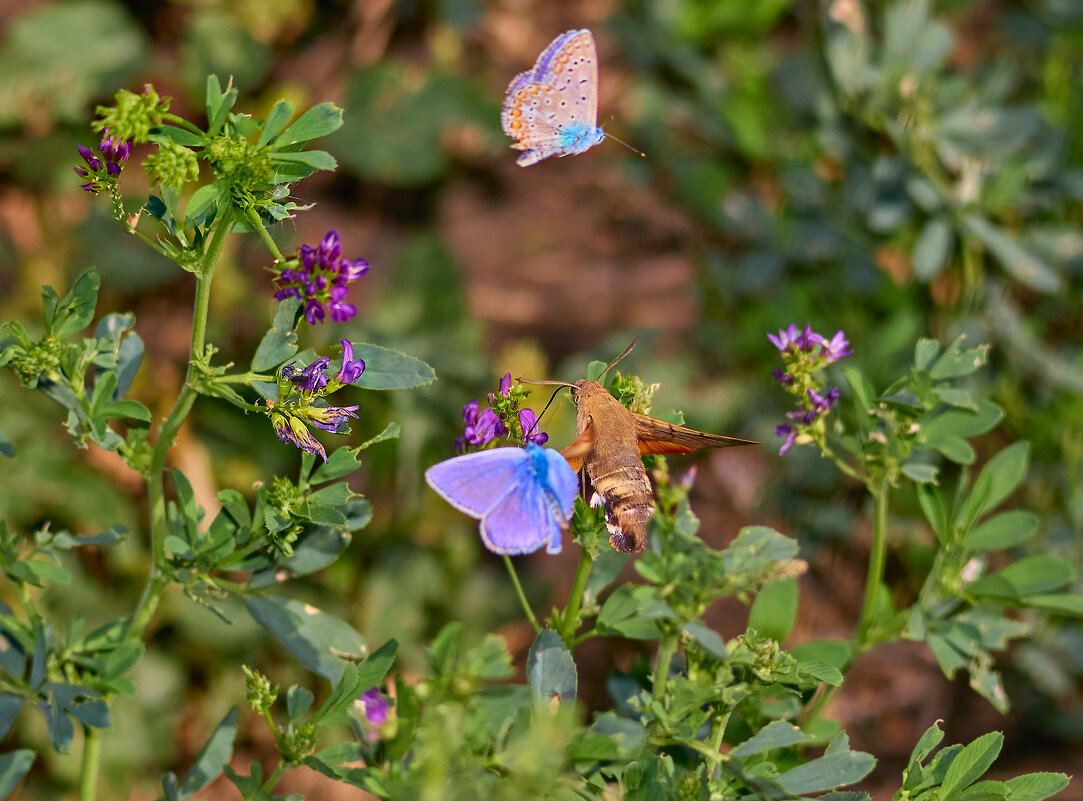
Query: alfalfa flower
<point x="103" y="170"/>
<point x="321" y="277"/>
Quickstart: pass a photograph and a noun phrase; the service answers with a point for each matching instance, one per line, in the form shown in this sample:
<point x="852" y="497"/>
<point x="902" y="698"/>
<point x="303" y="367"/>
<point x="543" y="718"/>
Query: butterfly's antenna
<point x="622" y="142"/>
<point x="613" y="363"/>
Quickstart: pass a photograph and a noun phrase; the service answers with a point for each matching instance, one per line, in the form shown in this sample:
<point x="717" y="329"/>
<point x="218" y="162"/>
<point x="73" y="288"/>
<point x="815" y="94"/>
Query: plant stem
<point x="718" y="729"/>
<point x="92" y="749"/>
<point x="253" y="218"/>
<point x="877" y="560"/>
<point x="522" y="596"/>
<point x="666" y="649"/>
<point x="273" y="779"/>
<point x="159" y="527"/>
<point x="569" y="621"/>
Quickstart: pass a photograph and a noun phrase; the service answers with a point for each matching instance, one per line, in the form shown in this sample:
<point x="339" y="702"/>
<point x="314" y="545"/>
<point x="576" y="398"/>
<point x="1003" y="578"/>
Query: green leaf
<point x="971" y="763"/>
<point x="213" y="757"/>
<point x="913" y="774"/>
<point x="1036" y="786"/>
<point x="836" y="653"/>
<point x="828" y="674"/>
<point x="276" y="120"/>
<point x="180" y="136"/>
<point x="302" y="164"/>
<point x="828" y="772"/>
<point x="777" y="734"/>
<point x="962" y="423"/>
<point x="314" y="637"/>
<point x="391" y="431"/>
<point x="956" y="363"/>
<point x="341" y="462"/>
<point x="1000" y="477"/>
<point x="84" y="704"/>
<point x="550" y="669"/>
<point x="389" y="369"/>
<point x="920" y="472"/>
<point x="298" y="700"/>
<point x="13" y="766"/>
<point x="280" y="341"/>
<point x="932" y="505"/>
<point x="219" y="104"/>
<point x="924" y="353"/>
<point x="10" y="707"/>
<point x="1005" y="530"/>
<point x="756" y="550"/>
<point x="1020" y="264"/>
<point x="357" y="677"/>
<point x="320" y="120"/>
<point x="774" y="611"/>
<point x="632" y="611"/>
<point x="127" y="409"/>
<point x="76" y="310"/>
<point x="200" y="204"/>
<point x="48" y="571"/>
<point x="933" y="249"/>
<point x="1038" y="574"/>
<point x="1064" y="603"/>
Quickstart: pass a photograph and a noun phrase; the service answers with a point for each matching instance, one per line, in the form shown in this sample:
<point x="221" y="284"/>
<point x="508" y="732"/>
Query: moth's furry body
<point x="614" y="466"/>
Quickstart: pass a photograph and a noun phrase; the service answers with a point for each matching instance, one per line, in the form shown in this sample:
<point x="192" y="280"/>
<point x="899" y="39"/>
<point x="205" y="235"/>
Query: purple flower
<point x="821" y="403"/>
<point x="330" y="418"/>
<point x="790" y="338"/>
<point x="322" y="280"/>
<point x="312" y="378"/>
<point x="294" y="432"/>
<point x="351" y="369"/>
<point x="375" y="706"/>
<point x="529" y="421"/>
<point x="480" y="428"/>
<point x="836" y="348"/>
<point x="505" y="389"/>
<point x="782" y="376"/>
<point x="790" y="433"/>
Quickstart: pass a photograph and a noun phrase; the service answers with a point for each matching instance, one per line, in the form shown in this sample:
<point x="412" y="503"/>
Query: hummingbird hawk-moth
<point x="610" y="439"/>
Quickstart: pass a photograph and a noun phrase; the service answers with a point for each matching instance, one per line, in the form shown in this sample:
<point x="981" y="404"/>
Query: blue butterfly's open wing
<point x="521" y="522"/>
<point x="564" y="481"/>
<point x="476" y="482"/>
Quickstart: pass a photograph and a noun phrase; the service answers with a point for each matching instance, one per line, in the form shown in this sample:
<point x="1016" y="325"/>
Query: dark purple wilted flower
<point x="329" y="418"/>
<point x="821" y="403"/>
<point x="375" y="706"/>
<point x="312" y="378"/>
<point x="351" y="369"/>
<point x="294" y="432"/>
<point x="787" y="431"/>
<point x="321" y="278"/>
<point x="834" y="349"/>
<point x="529" y="421"/>
<point x="480" y="428"/>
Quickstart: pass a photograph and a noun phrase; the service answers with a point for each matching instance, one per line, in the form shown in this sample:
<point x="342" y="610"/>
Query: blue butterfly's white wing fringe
<point x="552" y="110"/>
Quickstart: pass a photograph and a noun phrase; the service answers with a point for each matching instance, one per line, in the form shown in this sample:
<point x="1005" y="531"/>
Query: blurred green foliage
<point x="898" y="170"/>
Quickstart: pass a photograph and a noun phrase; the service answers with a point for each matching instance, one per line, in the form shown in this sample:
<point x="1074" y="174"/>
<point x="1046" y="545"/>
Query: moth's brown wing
<point x="658" y="436"/>
<point x="580" y="449"/>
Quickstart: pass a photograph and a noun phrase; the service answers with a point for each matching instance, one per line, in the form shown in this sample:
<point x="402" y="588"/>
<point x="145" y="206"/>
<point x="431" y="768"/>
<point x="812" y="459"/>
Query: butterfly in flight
<point x="522" y="496"/>
<point x="552" y="110"/>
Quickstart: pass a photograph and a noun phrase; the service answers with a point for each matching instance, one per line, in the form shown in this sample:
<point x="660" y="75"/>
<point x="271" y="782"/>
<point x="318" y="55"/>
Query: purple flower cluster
<point x="296" y="409"/>
<point x="114" y="154"/>
<point x="321" y="278"/>
<point x="485" y="426"/>
<point x="804" y="353"/>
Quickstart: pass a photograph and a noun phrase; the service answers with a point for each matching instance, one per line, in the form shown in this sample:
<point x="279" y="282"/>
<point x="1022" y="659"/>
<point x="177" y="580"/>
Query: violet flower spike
<point x="790" y="433"/>
<point x="331" y="418"/>
<point x="323" y="280"/>
<point x="529" y="421"/>
<point x="351" y="369"/>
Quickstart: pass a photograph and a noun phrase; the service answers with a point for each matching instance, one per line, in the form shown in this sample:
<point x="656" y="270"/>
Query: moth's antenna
<point x="613" y="363"/>
<point x="545" y="383"/>
<point x="622" y="142"/>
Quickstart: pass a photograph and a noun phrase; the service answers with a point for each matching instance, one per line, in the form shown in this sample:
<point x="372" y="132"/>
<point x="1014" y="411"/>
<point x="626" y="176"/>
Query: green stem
<point x="814" y="712"/>
<point x="522" y="596"/>
<point x="159" y="526"/>
<point x="273" y="779"/>
<point x="252" y="217"/>
<point x="569" y="621"/>
<point x="92" y="749"/>
<point x="718" y="730"/>
<point x="666" y="649"/>
<point x="877" y="560"/>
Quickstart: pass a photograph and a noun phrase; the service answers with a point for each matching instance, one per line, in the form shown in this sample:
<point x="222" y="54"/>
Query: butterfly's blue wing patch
<point x="474" y="483"/>
<point x="524" y="497"/>
<point x="521" y="522"/>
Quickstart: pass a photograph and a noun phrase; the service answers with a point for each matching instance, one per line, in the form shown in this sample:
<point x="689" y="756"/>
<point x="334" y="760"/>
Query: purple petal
<point x="470" y="413"/>
<point x="790" y="433"/>
<point x="505" y="385"/>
